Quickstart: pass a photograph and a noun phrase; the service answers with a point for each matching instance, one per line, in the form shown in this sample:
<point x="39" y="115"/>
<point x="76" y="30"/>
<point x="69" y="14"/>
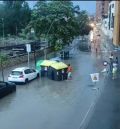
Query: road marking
<point x="95" y="88"/>
<point x="91" y="106"/>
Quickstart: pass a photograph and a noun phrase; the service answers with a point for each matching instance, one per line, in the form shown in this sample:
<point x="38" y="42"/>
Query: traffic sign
<point x="28" y="47"/>
<point x="95" y="77"/>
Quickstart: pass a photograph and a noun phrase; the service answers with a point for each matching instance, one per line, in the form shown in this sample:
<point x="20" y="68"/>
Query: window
<point x="27" y="71"/>
<point x="112" y="21"/>
<point x="16" y="73"/>
<point x="112" y="5"/>
<point x="32" y="70"/>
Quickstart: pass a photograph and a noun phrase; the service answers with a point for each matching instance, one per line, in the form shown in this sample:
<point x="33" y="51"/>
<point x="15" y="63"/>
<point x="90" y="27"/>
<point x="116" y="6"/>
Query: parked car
<point x="23" y="75"/>
<point x="6" y="88"/>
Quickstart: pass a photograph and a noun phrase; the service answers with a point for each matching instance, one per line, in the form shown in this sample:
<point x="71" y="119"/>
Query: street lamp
<point x="66" y="19"/>
<point x="33" y="32"/>
<point x="92" y="25"/>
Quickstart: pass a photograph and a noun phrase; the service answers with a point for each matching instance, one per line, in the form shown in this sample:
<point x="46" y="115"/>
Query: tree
<point x="16" y="16"/>
<point x="57" y="21"/>
<point x="53" y="15"/>
<point x="3" y="60"/>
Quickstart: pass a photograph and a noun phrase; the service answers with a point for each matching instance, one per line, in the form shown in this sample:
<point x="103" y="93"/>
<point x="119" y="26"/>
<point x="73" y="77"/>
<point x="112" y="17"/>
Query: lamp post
<point x="45" y="51"/>
<point x="33" y="32"/>
<point x="66" y="19"/>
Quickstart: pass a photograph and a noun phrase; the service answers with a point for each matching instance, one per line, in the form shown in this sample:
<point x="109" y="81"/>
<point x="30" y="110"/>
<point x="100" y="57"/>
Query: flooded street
<point x="47" y="104"/>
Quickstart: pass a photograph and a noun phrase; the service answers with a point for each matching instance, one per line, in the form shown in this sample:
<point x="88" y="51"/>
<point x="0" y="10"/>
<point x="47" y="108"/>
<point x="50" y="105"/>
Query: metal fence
<point x="20" y="50"/>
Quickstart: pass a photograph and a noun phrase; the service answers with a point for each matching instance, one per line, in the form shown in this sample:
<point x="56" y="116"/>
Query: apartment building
<point x="108" y="21"/>
<point x="101" y="9"/>
<point x="111" y="24"/>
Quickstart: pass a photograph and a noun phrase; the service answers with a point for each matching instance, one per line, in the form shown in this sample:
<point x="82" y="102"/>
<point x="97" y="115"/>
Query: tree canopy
<point x="15" y="15"/>
<point x="58" y="21"/>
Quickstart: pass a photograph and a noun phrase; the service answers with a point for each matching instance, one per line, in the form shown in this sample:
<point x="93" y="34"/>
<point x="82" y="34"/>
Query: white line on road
<point x="90" y="108"/>
<point x="82" y="122"/>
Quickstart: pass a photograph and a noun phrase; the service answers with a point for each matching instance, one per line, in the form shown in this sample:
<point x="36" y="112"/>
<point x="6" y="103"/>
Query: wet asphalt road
<point x="47" y="104"/>
<point x="107" y="110"/>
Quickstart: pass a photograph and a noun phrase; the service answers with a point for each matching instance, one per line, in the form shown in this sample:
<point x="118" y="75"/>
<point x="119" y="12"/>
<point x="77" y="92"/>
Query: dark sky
<point x="89" y="6"/>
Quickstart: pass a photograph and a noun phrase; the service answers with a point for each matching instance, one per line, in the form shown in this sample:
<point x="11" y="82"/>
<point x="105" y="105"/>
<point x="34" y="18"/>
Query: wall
<point x="23" y="59"/>
<point x="108" y="27"/>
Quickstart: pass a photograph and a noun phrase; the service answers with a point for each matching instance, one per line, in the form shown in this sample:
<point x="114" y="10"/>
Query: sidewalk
<point x="107" y="110"/>
<point x="108" y="47"/>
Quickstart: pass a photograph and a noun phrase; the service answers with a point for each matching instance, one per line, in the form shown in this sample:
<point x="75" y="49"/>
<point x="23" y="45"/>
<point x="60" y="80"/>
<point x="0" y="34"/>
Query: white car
<point x="23" y="74"/>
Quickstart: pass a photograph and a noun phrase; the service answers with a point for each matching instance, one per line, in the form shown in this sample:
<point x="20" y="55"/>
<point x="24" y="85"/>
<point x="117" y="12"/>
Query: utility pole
<point x="45" y="49"/>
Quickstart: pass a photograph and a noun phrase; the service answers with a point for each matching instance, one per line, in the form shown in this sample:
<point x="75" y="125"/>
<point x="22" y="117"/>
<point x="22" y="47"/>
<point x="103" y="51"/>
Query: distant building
<point x="111" y="15"/>
<point x="108" y="21"/>
<point x="101" y="9"/>
<point x="111" y="24"/>
<point x="91" y="18"/>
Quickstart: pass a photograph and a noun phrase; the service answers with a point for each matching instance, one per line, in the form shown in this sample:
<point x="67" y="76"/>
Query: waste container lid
<point x="47" y="62"/>
<point x="58" y="65"/>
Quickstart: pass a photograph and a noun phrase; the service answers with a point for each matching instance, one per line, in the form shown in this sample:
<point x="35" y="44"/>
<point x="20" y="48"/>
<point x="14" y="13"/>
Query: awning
<point x="58" y="65"/>
<point x="47" y="63"/>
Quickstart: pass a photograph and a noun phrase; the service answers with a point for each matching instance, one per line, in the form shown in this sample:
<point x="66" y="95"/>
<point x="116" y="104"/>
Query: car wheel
<point x="26" y="81"/>
<point x="38" y="75"/>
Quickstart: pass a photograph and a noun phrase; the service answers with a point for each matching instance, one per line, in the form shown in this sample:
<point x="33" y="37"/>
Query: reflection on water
<point x="47" y="104"/>
<point x="5" y="102"/>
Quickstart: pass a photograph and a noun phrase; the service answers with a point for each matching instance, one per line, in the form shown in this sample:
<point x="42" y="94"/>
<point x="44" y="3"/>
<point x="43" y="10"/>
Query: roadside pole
<point x="35" y="57"/>
<point x="95" y="78"/>
<point x="28" y="49"/>
<point x="28" y="59"/>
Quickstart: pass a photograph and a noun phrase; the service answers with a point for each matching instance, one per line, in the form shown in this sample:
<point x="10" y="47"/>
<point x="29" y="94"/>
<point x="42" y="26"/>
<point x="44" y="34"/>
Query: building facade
<point x="109" y="21"/>
<point x="101" y="9"/>
<point x="111" y="15"/>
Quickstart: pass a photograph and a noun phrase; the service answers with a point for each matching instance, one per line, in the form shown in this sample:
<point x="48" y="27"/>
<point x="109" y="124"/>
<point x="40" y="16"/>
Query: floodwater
<point x="47" y="104"/>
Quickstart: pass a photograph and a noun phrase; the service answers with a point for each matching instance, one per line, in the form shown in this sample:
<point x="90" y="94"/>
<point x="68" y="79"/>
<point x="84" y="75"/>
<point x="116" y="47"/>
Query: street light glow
<point x="91" y="36"/>
<point x="92" y="25"/>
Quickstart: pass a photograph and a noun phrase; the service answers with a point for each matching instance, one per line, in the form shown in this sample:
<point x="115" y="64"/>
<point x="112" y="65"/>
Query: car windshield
<point x="16" y="73"/>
